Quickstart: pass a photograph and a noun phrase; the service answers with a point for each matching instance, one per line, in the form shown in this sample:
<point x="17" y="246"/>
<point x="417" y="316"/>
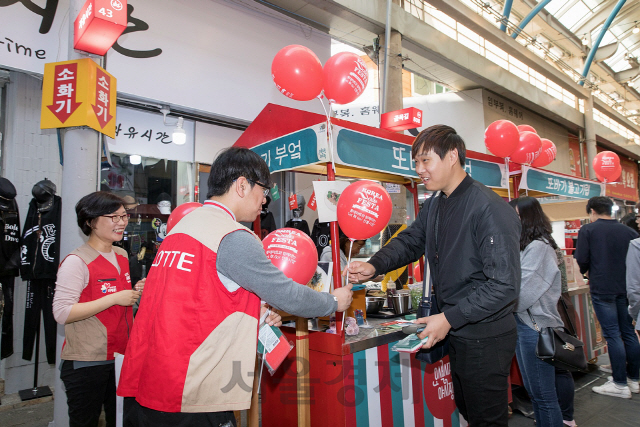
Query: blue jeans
<point x="539" y="378"/>
<point x="612" y="312"/>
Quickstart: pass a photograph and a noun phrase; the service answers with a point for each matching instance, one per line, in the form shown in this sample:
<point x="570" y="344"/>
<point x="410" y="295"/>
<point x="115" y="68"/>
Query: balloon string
<point x="506" y="162"/>
<point x="344" y="316"/>
<point x="329" y="132"/>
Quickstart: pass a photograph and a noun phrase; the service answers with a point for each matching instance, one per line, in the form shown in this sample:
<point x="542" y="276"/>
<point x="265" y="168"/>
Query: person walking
<point x="601" y="252"/>
<point x="551" y="389"/>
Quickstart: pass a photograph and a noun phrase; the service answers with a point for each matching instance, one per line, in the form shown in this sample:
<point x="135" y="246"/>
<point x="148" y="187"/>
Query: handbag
<point x="428" y="305"/>
<point x="559" y="348"/>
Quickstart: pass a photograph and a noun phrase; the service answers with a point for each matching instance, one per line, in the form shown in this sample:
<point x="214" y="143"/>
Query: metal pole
<point x="590" y="134"/>
<point x="581" y="137"/>
<point x="595" y="46"/>
<point x="506" y="12"/>
<point x="527" y="18"/>
<point x="387" y="37"/>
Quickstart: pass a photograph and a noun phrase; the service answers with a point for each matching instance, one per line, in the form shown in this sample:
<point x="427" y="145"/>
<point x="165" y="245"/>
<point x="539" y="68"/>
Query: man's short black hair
<point x="95" y="205"/>
<point x="231" y="164"/>
<point x="441" y="139"/>
<point x="600" y="205"/>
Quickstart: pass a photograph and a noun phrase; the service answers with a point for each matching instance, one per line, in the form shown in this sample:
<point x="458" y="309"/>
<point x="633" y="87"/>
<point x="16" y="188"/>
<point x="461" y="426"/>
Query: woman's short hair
<point x="95" y="205"/>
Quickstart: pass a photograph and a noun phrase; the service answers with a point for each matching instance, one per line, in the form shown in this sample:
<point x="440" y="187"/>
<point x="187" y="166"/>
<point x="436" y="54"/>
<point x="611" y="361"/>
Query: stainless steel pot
<point x="374" y="304"/>
<point x="401" y="302"/>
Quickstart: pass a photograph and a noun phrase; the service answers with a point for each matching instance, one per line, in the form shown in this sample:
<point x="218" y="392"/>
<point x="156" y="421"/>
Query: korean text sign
<point x="99" y="24"/>
<point x="78" y="93"/>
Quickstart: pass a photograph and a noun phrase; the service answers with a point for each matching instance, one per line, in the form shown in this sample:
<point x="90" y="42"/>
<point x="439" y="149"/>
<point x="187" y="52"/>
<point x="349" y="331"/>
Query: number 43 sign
<point x="99" y="24"/>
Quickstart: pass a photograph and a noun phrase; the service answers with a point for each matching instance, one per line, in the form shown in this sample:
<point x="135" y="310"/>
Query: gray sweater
<point x="540" y="286"/>
<point x="241" y="261"/>
<point x="633" y="280"/>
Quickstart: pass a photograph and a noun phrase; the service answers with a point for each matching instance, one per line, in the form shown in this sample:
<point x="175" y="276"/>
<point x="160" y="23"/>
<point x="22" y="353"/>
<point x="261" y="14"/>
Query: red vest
<point x="99" y="336"/>
<point x="194" y="341"/>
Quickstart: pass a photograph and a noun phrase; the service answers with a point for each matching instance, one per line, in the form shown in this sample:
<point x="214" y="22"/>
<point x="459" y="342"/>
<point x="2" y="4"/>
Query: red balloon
<point x="297" y="72"/>
<point x="529" y="148"/>
<point x="547" y="156"/>
<point x="526" y="128"/>
<point x="417" y="273"/>
<point x="501" y="138"/>
<point x="345" y="77"/>
<point x="364" y="209"/>
<point x="179" y="212"/>
<point x="606" y="165"/>
<point x="293" y="253"/>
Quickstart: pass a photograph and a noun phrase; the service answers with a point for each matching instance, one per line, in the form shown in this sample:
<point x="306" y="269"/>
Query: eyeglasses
<point x="266" y="190"/>
<point x="117" y="218"/>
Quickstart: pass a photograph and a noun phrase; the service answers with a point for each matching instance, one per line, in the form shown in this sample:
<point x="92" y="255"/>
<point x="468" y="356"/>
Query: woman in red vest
<point x="93" y="300"/>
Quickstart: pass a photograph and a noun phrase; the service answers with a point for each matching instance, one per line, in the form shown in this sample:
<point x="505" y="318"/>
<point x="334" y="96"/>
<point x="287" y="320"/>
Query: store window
<point x="151" y="188"/>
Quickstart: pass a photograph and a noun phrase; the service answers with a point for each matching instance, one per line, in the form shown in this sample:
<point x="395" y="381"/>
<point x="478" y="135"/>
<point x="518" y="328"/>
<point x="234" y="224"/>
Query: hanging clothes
<point x="39" y="299"/>
<point x="299" y="224"/>
<point x="9" y="261"/>
<point x="321" y="235"/>
<point x="40" y="253"/>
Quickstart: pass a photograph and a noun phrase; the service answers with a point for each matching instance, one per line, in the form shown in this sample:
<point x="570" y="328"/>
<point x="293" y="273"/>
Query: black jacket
<point x="476" y="266"/>
<point x="9" y="238"/>
<point x="602" y="251"/>
<point x="40" y="252"/>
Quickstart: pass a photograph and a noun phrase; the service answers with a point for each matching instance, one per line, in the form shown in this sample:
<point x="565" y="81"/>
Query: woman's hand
<point x="126" y="298"/>
<point x="140" y="284"/>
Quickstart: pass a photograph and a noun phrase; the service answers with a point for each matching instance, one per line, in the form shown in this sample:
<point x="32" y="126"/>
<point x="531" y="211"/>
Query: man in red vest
<point x="191" y="354"/>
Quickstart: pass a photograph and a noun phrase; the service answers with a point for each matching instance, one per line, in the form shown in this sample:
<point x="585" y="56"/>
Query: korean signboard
<point x="374" y="153"/>
<point x="562" y="185"/>
<point x="145" y="134"/>
<point x="99" y="24"/>
<point x="78" y="93"/>
<point x="395" y="121"/>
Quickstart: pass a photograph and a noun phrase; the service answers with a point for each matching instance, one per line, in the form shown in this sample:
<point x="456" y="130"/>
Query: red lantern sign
<point x="99" y="24"/>
<point x="396" y="121"/>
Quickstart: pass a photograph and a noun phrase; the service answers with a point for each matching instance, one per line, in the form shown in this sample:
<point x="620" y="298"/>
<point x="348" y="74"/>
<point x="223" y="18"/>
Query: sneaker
<point x="605" y="368"/>
<point x="634" y="387"/>
<point x="612" y="389"/>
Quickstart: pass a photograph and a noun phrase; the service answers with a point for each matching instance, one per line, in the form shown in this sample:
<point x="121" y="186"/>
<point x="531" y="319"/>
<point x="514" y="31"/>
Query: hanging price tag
<point x="293" y="202"/>
<point x="275" y="194"/>
<point x="312" y="203"/>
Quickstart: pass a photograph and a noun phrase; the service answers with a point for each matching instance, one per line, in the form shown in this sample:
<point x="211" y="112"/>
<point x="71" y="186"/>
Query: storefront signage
<point x="300" y="148"/>
<point x="396" y="121"/>
<point x="99" y="24"/>
<point x="374" y="153"/>
<point x="145" y="134"/>
<point x="562" y="185"/>
<point x="78" y="93"/>
<point x="626" y="188"/>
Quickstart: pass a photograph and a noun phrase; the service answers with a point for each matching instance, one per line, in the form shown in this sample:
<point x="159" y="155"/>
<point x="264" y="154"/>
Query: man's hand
<point x="437" y="329"/>
<point x="345" y="297"/>
<point x="360" y="271"/>
<point x="274" y="318"/>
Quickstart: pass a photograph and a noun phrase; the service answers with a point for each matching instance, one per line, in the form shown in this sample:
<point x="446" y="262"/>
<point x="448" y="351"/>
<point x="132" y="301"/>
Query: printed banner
<point x="548" y="182"/>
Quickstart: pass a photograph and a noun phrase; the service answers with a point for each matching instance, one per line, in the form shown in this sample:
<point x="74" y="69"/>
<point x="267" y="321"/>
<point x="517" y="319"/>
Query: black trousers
<point x="480" y="371"/>
<point x="39" y="299"/>
<point x="88" y="390"/>
<point x="6" y="349"/>
<point x="136" y="415"/>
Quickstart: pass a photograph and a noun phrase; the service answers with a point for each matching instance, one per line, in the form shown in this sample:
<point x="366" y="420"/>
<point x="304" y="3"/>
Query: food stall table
<point x="360" y="382"/>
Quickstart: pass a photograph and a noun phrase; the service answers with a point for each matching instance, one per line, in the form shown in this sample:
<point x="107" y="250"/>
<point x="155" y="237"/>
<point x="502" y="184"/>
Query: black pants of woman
<point x="88" y="390"/>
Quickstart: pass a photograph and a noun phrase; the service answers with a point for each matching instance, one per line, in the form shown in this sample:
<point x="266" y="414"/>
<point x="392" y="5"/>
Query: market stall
<point x="352" y="380"/>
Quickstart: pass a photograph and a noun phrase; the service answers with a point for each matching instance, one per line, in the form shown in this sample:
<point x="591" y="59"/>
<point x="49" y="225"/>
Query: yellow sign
<point x="78" y="93"/>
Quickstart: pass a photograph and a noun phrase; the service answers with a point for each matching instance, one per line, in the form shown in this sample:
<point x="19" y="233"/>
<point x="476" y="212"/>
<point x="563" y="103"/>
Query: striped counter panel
<point x="588" y="326"/>
<point x="384" y="388"/>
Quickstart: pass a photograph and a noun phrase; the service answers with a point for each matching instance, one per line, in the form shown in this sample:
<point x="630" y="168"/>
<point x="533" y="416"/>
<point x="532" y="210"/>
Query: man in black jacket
<point x="472" y="238"/>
